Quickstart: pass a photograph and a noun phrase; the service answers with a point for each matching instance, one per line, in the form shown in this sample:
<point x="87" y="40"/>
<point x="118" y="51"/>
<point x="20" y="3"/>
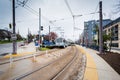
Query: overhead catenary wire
<point x="68" y="7"/>
<point x="37" y="14"/>
<point x="24" y="5"/>
<point x="31" y="9"/>
<point x="95" y="11"/>
<point x="73" y="16"/>
<point x="34" y="12"/>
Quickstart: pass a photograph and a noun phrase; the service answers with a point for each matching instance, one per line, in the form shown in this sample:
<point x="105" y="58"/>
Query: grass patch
<point x="6" y="41"/>
<point x="44" y="49"/>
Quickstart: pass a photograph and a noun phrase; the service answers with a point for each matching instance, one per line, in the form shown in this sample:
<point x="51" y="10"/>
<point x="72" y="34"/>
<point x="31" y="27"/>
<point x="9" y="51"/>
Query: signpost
<point x="13" y="37"/>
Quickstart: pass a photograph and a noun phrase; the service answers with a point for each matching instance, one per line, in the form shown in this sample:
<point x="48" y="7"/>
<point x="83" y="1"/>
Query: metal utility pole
<point x="14" y="33"/>
<point x="40" y="25"/>
<point x="28" y="35"/>
<point x="49" y="33"/>
<point x="100" y="29"/>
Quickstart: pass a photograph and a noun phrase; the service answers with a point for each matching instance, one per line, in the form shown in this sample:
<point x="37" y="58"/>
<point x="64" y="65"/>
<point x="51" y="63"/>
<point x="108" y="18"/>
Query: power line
<point x="68" y="7"/>
<point x="23" y="4"/>
<point x="95" y="11"/>
<point x="36" y="12"/>
<point x="31" y="11"/>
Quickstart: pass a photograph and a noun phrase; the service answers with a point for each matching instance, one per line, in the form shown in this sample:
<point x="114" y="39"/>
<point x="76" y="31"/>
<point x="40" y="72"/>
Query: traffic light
<point x="10" y="26"/>
<point x="41" y="27"/>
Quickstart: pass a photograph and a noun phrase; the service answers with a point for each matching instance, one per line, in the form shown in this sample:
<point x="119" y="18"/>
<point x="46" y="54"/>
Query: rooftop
<point x="113" y="22"/>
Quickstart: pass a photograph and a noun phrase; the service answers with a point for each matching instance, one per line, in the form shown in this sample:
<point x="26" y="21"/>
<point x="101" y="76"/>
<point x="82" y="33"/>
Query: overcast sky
<point x="54" y="10"/>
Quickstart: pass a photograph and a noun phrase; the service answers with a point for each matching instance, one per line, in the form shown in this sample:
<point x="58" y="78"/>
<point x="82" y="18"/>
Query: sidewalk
<point x="27" y="48"/>
<point x="97" y="68"/>
<point x="24" y="50"/>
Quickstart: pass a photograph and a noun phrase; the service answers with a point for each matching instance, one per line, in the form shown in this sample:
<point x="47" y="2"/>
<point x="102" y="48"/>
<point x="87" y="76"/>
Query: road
<point x="7" y="48"/>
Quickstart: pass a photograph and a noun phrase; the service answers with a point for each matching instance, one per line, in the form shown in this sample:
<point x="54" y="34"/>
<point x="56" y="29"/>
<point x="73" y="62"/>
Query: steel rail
<point x="67" y="65"/>
<point x="33" y="71"/>
<point x="26" y="57"/>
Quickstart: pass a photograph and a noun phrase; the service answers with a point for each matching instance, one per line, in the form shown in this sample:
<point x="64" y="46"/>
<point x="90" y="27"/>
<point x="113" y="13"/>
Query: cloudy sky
<point x="28" y="16"/>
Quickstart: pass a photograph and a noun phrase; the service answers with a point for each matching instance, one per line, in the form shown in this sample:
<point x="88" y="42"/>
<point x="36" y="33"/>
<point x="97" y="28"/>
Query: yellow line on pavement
<point x="19" y="54"/>
<point x="91" y="70"/>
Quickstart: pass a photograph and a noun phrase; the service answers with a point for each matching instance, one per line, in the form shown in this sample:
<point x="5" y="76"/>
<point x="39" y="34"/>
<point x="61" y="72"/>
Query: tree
<point x="53" y="35"/>
<point x="118" y="7"/>
<point x="30" y="37"/>
<point x="105" y="39"/>
<point x="19" y="37"/>
<point x="50" y="36"/>
<point x="96" y="30"/>
<point x="110" y="35"/>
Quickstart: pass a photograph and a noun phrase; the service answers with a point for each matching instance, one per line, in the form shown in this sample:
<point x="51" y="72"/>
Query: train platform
<point x="96" y="67"/>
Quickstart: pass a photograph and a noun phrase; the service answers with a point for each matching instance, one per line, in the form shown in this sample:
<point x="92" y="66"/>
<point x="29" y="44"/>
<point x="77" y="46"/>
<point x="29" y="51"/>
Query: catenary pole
<point x="100" y="29"/>
<point x="40" y="25"/>
<point x="49" y="33"/>
<point x="14" y="33"/>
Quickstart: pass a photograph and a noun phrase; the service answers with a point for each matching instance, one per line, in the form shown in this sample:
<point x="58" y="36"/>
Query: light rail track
<point x="27" y="57"/>
<point x="66" y="66"/>
<point x="64" y="62"/>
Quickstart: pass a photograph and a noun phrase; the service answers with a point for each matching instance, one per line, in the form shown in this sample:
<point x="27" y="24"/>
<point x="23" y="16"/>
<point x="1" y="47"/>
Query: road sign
<point x="13" y="37"/>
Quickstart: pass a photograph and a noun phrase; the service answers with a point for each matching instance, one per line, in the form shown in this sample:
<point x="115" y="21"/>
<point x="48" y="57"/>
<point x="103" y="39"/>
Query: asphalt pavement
<point x="8" y="47"/>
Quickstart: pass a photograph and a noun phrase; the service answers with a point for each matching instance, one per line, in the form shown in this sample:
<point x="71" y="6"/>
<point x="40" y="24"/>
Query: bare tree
<point x="117" y="9"/>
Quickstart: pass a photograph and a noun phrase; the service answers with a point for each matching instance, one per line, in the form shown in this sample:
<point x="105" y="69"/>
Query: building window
<point x="109" y="30"/>
<point x="114" y="45"/>
<point x="105" y="32"/>
<point x="114" y="32"/>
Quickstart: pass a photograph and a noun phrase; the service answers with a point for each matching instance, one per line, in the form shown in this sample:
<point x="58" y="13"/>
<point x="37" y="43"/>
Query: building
<point x="113" y="28"/>
<point x="90" y="31"/>
<point x="5" y="34"/>
<point x="81" y="38"/>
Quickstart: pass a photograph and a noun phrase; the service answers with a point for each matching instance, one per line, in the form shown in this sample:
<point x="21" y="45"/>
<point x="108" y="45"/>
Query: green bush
<point x="43" y="49"/>
<point x="105" y="48"/>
